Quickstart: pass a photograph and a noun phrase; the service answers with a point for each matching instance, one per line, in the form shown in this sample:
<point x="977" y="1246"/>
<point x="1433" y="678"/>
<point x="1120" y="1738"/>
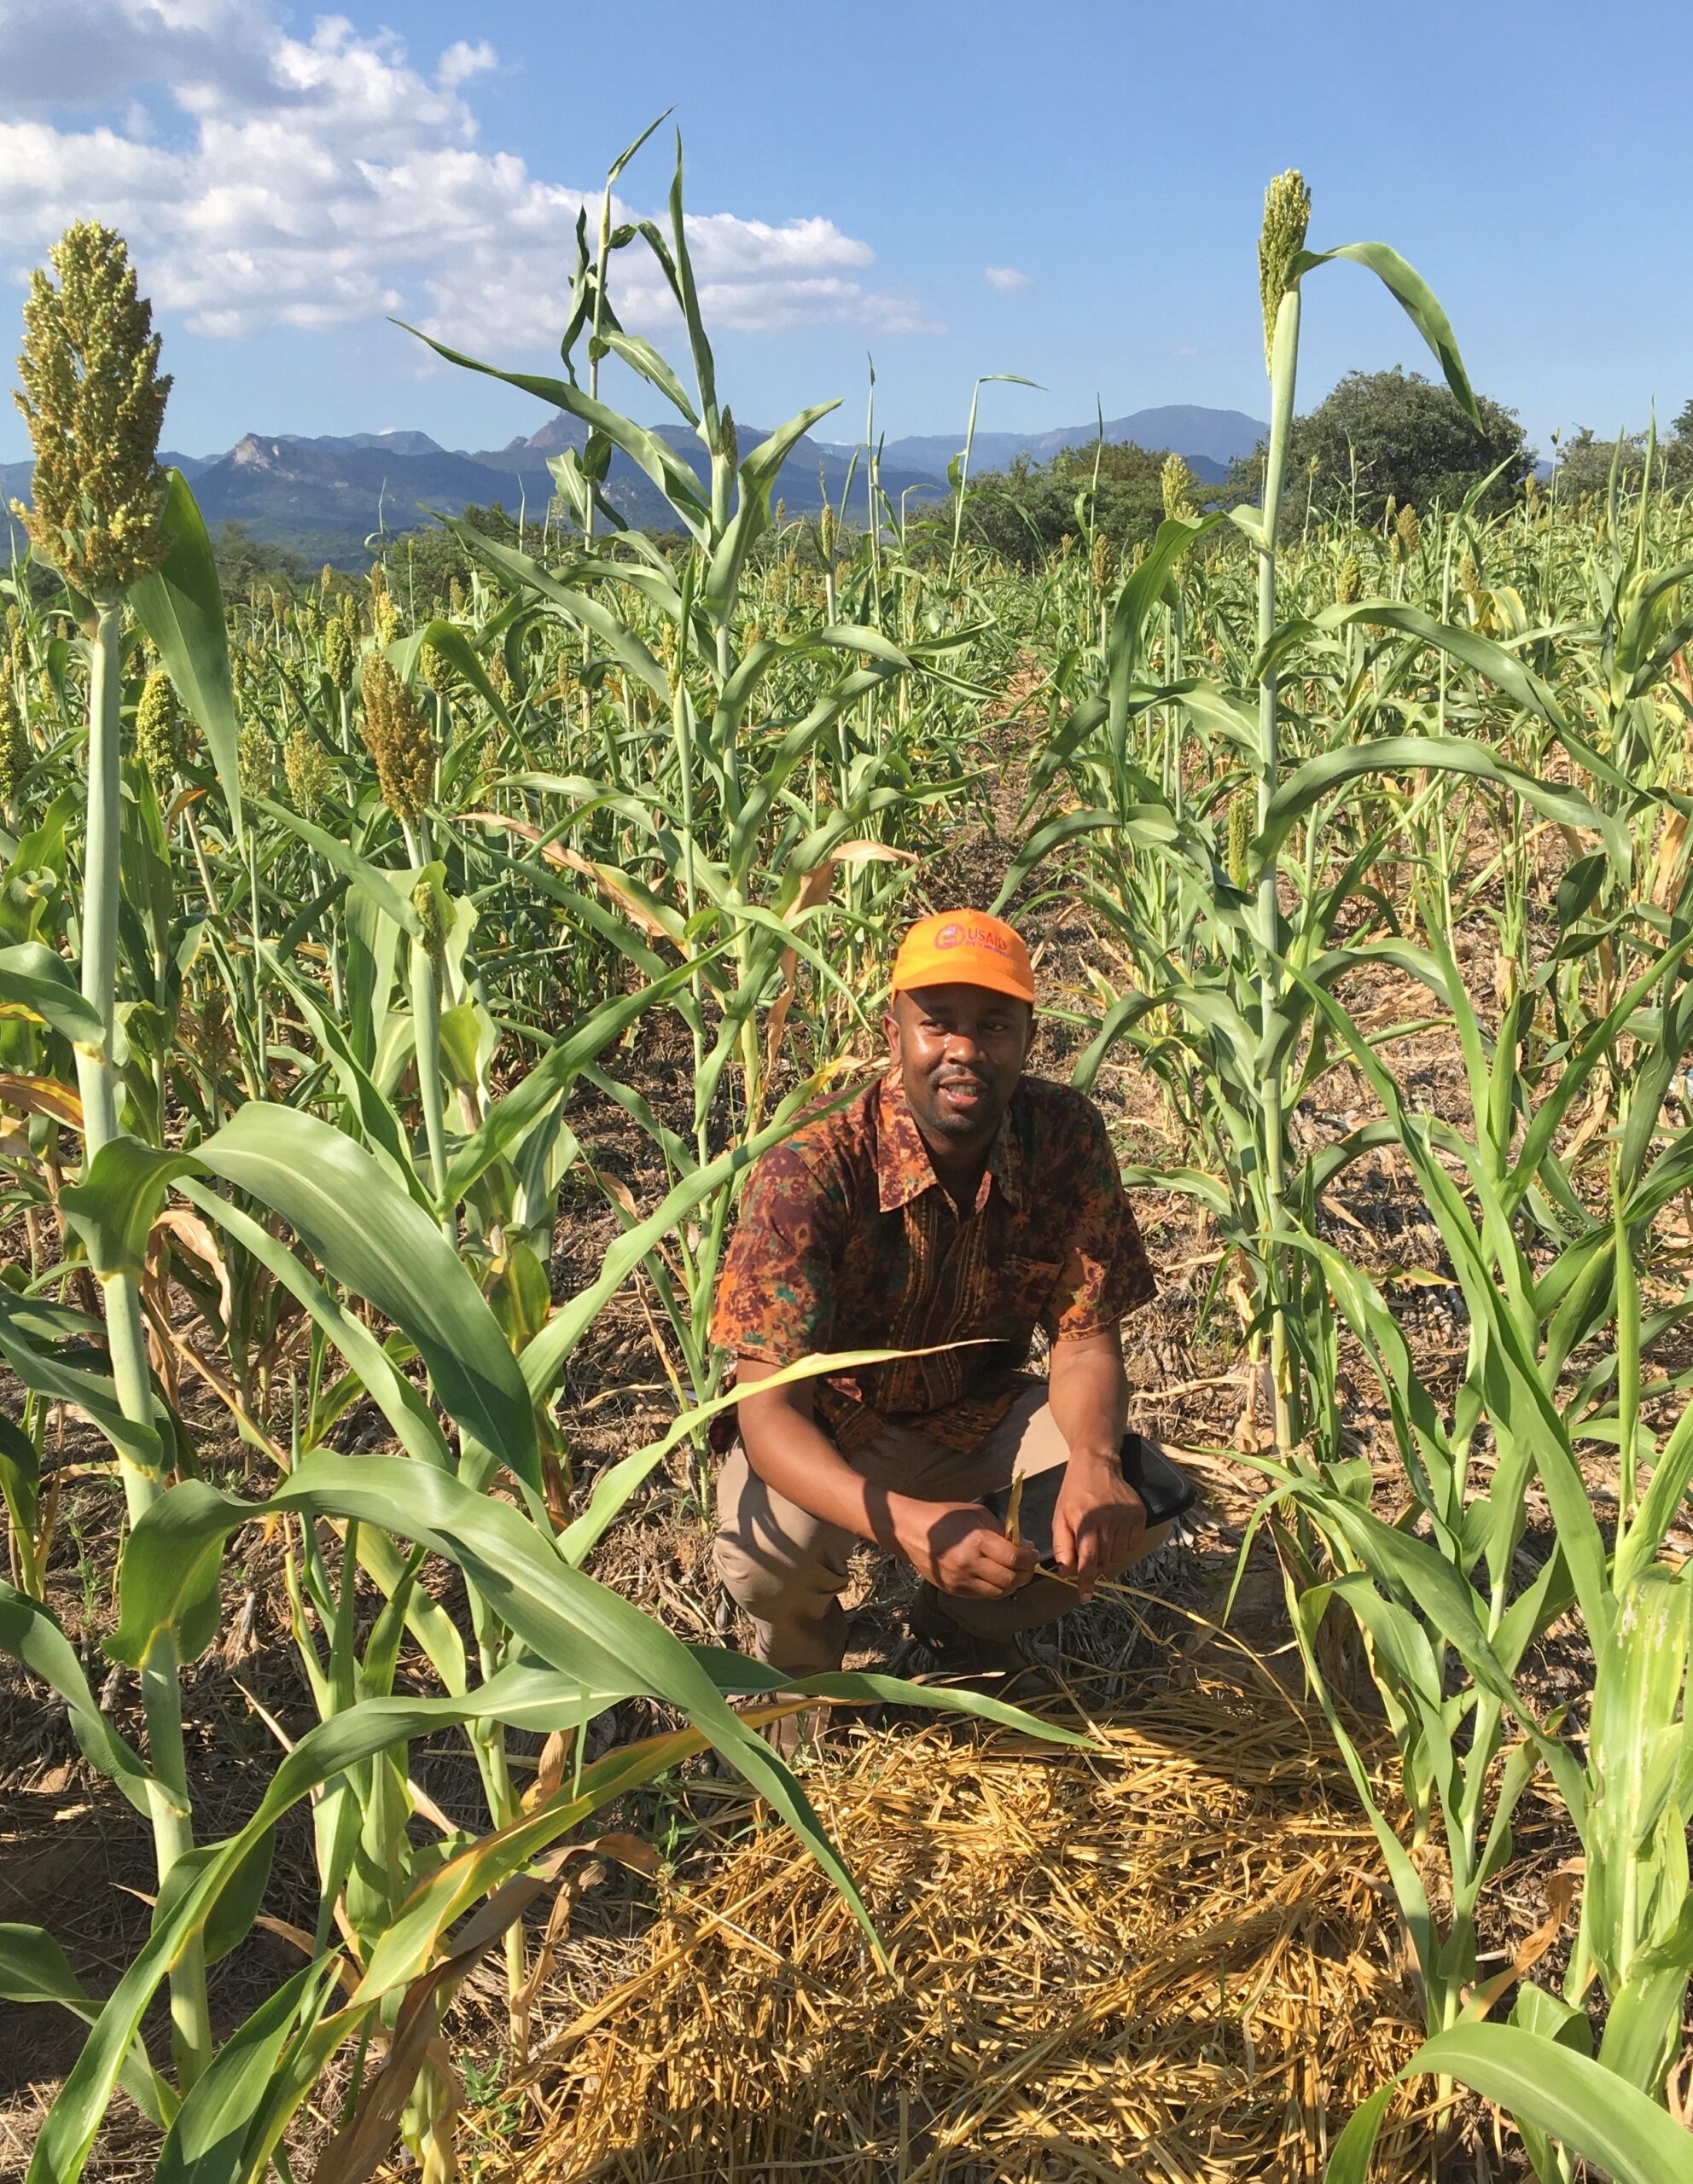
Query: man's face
<point x="960" y="1050"/>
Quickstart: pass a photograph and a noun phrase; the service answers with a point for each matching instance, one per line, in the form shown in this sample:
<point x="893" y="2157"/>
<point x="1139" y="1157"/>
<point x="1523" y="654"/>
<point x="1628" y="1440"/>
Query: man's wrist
<point x="1101" y="1456"/>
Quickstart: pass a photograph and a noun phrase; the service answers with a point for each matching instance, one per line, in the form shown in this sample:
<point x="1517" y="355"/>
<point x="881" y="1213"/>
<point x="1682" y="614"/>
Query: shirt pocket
<point x="1016" y="1291"/>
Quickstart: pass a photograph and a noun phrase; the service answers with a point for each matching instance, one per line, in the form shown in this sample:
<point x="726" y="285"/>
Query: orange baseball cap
<point x="964" y="948"/>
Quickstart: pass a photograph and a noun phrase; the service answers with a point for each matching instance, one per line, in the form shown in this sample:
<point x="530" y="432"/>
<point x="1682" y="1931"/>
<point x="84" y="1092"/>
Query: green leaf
<point x="369" y="878"/>
<point x="369" y="1234"/>
<point x="1404" y="283"/>
<point x="1592" y="2111"/>
<point x="552" y="1076"/>
<point x="456" y="647"/>
<point x="93" y="1393"/>
<point x="1331" y="770"/>
<point x="30" y="1634"/>
<point x="33" y="1969"/>
<point x="181" y="608"/>
<point x="208" y="2143"/>
<point x="32" y="977"/>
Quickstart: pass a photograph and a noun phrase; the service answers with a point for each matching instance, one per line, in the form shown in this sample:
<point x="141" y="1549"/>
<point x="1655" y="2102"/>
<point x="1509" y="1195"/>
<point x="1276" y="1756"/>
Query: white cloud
<point x="1005" y="278"/>
<point x="460" y="62"/>
<point x="264" y="179"/>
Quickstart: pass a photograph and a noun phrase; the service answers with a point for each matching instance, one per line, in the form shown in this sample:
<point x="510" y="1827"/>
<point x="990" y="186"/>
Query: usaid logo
<point x="963" y="936"/>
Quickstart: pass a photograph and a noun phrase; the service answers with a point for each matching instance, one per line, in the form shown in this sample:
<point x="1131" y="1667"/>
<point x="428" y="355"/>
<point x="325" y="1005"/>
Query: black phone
<point x="1166" y="1491"/>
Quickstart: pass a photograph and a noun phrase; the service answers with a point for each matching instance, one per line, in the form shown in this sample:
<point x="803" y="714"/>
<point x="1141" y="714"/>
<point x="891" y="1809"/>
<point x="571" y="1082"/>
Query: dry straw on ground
<point x="1170" y="1957"/>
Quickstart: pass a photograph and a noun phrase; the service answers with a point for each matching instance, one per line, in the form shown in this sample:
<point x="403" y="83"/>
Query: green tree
<point x="1025" y="513"/>
<point x="246" y="564"/>
<point x="1394" y="434"/>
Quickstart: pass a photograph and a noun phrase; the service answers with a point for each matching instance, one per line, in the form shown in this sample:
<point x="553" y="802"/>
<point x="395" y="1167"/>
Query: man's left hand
<point x="1099" y="1524"/>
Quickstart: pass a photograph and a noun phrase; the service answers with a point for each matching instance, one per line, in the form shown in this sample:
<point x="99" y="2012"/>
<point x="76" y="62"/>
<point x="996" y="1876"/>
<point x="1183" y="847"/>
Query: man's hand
<point x="959" y="1548"/>
<point x="1099" y="1524"/>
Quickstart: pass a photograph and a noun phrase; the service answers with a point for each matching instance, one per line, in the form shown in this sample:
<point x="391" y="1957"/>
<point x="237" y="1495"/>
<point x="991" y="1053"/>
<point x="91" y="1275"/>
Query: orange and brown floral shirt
<point x="846" y="1240"/>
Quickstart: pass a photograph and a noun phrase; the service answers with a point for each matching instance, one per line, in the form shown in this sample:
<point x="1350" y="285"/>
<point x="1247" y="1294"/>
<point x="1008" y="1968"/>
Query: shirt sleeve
<point x="1105" y="1272"/>
<point x="776" y="1294"/>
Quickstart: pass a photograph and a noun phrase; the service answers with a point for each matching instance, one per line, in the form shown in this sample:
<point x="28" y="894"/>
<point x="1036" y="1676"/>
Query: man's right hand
<point x="959" y="1548"/>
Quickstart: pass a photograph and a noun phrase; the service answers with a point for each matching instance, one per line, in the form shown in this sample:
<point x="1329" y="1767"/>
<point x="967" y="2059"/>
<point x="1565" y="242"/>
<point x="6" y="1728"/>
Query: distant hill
<point x="1209" y="439"/>
<point x="322" y="497"/>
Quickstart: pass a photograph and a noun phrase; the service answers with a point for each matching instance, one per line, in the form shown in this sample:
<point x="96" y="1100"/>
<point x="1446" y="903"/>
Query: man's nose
<point x="963" y="1045"/>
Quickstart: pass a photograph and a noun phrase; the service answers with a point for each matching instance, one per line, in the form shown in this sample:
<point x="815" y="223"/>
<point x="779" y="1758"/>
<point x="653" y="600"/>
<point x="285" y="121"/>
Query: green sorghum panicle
<point x="1240" y="836"/>
<point x="159" y="727"/>
<point x="1177" y="482"/>
<point x="306" y="768"/>
<point x="1287" y="214"/>
<point x="1470" y="581"/>
<point x="94" y="399"/>
<point x="1099" y="562"/>
<point x="256" y="760"/>
<point x="426" y="901"/>
<point x="1407" y="532"/>
<point x="339" y="652"/>
<point x="455" y="597"/>
<point x="1349" y="581"/>
<point x="398" y="738"/>
<point x="827" y="530"/>
<point x="15" y="753"/>
<point x="439" y="671"/>
<point x="385" y="616"/>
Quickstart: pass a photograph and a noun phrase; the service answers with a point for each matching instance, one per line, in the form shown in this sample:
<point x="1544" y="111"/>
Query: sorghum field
<point x="397" y="977"/>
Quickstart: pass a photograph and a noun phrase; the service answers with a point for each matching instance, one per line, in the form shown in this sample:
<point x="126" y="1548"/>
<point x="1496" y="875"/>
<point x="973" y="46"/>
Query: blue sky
<point x="288" y="178"/>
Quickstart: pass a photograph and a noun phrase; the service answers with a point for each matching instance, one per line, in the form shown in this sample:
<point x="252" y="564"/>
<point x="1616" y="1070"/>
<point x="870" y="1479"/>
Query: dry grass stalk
<point x="1172" y="1959"/>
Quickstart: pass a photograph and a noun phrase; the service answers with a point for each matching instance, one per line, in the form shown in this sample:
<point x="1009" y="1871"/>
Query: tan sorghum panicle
<point x="94" y="400"/>
<point x="339" y="652"/>
<point x="15" y="753"/>
<point x="1349" y="581"/>
<point x="398" y="738"/>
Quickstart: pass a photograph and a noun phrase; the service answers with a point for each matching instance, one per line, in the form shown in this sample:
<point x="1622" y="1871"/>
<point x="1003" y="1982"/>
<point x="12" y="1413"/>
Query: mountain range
<point x="322" y="497"/>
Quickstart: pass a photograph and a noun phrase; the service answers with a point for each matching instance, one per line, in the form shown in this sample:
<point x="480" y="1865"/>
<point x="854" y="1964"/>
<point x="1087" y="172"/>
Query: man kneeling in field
<point x="955" y="1201"/>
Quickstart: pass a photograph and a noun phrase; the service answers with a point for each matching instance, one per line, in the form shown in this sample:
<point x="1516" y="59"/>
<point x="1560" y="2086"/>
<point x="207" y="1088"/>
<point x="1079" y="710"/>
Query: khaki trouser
<point x="787" y="1568"/>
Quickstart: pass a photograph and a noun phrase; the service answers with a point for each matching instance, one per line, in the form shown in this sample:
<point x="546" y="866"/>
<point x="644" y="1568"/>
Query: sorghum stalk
<point x="94" y="400"/>
<point x="1287" y="212"/>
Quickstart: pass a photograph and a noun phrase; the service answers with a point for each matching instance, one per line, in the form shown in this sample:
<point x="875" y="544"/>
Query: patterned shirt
<point x="846" y="1240"/>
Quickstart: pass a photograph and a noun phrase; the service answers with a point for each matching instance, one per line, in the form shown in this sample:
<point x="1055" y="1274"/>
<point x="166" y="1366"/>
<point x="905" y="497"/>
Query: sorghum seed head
<point x="1287" y="214"/>
<point x="256" y="760"/>
<point x="1177" y="483"/>
<point x="426" y="901"/>
<point x="15" y="753"/>
<point x="159" y="727"/>
<point x="399" y="740"/>
<point x="94" y="400"/>
<point x="1407" y="531"/>
<point x="1240" y="836"/>
<point x="306" y="768"/>
<point x="338" y="653"/>
<point x="1349" y="581"/>
<point x="439" y="671"/>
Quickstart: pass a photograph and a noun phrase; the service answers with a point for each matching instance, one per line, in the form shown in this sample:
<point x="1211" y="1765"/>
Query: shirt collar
<point x="904" y="1171"/>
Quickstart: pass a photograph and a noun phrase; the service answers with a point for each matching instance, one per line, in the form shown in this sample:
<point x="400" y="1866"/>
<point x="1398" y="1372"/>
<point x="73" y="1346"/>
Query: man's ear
<point x="1032" y="1045"/>
<point x="890" y="1025"/>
